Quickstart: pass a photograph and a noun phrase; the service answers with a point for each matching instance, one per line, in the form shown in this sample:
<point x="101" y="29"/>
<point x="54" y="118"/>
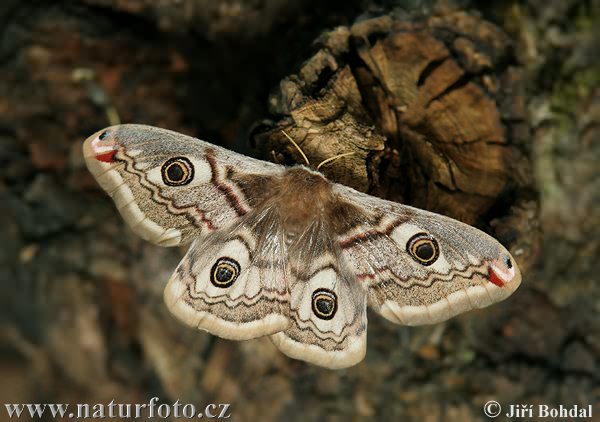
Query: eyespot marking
<point x="324" y="303"/>
<point x="423" y="248"/>
<point x="224" y="272"/>
<point x="177" y="171"/>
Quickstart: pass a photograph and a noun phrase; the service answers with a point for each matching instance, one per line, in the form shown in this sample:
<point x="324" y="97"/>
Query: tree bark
<point x="487" y="113"/>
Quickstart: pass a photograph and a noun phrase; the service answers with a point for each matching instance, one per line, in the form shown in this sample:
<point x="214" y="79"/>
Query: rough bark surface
<point x="489" y="112"/>
<point x="429" y="106"/>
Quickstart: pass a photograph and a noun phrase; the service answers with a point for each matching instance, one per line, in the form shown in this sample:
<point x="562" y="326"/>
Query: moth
<point x="283" y="252"/>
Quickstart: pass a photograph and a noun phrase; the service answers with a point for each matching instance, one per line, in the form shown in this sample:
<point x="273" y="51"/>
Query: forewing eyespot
<point x="224" y="272"/>
<point x="423" y="248"/>
<point x="324" y="303"/>
<point x="177" y="171"/>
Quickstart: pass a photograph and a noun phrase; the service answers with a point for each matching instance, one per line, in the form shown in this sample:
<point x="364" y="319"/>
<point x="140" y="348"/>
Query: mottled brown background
<point x="81" y="314"/>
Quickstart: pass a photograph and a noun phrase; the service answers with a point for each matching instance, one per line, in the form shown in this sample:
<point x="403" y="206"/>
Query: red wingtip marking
<point x="493" y="277"/>
<point x="108" y="157"/>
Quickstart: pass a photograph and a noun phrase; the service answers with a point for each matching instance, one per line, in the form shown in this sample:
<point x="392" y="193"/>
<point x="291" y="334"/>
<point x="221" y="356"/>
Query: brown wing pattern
<point x="286" y="253"/>
<point x="463" y="268"/>
<point x="171" y="188"/>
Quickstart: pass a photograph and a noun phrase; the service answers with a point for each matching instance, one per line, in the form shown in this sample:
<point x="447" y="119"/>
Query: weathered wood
<point x="426" y="104"/>
<point x="81" y="311"/>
